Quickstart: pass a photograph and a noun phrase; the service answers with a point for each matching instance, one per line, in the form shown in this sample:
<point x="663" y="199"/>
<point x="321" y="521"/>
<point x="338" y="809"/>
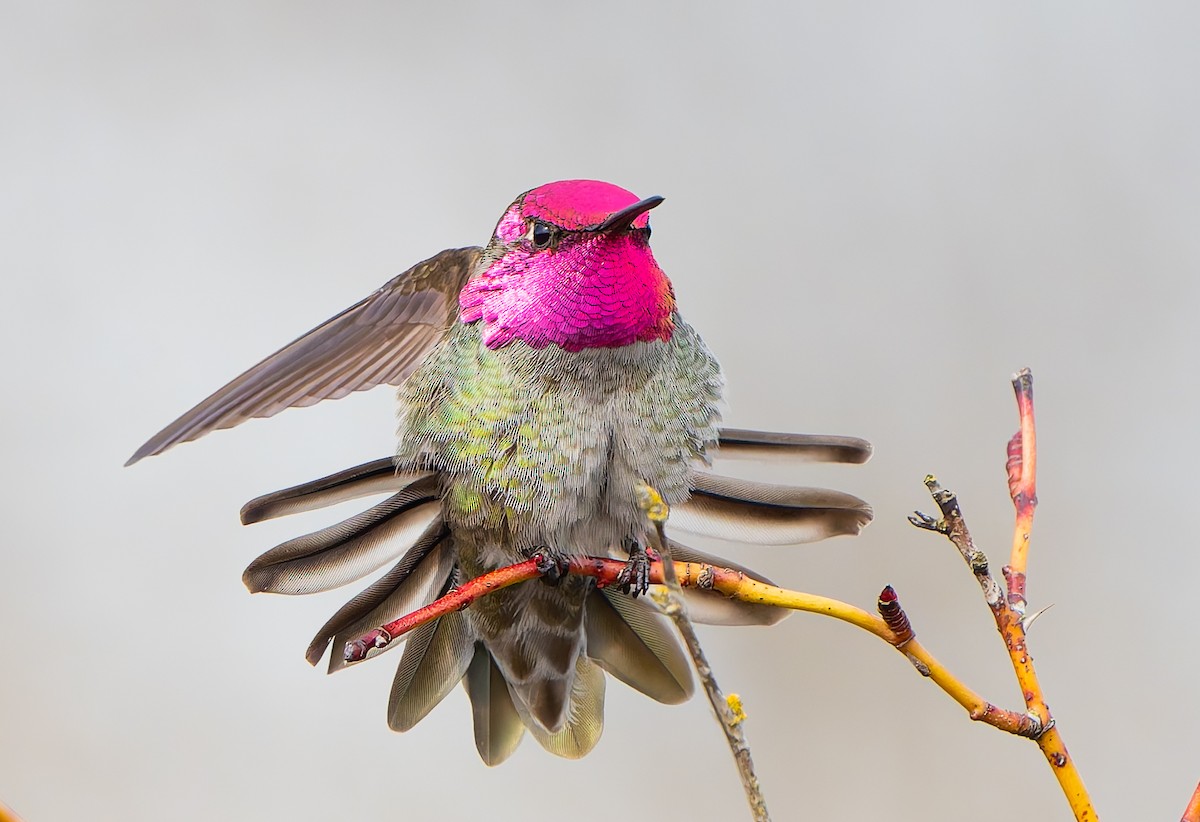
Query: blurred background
<point x="875" y="214"/>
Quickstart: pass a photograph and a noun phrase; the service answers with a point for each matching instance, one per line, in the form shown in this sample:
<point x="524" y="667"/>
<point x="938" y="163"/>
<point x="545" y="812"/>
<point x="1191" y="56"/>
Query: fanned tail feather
<point x="585" y="721"/>
<point x="435" y="659"/>
<point x="350" y="549"/>
<point x="498" y="726"/>
<point x="760" y="513"/>
<point x="633" y="642"/>
<point x="742" y="444"/>
<point x="375" y="477"/>
<point x="420" y="577"/>
<point x="628" y="638"/>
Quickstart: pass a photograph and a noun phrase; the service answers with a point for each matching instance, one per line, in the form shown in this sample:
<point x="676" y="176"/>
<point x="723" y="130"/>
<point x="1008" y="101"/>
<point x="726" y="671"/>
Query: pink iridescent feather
<point x="591" y="290"/>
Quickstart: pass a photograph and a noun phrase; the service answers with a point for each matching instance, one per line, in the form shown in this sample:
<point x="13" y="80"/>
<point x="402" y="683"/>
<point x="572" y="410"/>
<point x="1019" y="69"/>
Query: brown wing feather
<point x="378" y="340"/>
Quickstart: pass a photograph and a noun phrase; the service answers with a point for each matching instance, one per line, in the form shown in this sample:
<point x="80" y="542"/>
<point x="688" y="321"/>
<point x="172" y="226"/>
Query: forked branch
<point x="1009" y="610"/>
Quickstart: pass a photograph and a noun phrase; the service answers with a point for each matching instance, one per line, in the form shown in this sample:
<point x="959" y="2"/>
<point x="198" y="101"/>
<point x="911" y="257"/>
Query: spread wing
<point x="381" y="339"/>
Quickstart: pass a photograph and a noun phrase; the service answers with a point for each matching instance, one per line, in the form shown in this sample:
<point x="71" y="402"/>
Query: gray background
<point x="875" y="213"/>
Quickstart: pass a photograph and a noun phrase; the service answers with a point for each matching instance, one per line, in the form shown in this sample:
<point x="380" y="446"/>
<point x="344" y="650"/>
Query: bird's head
<point x="570" y="264"/>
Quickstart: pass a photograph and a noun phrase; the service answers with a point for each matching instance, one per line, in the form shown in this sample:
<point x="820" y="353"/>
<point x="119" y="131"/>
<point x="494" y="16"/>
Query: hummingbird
<point x="541" y="381"/>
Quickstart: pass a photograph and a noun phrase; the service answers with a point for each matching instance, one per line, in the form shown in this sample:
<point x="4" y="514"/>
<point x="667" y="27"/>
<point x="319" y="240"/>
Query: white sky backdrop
<point x="875" y="213"/>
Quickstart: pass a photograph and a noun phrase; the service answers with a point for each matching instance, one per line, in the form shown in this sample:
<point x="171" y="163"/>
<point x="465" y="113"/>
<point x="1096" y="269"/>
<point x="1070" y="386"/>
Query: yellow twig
<point x="739" y="586"/>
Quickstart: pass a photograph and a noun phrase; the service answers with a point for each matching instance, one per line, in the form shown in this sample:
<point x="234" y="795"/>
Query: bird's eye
<point x="541" y="234"/>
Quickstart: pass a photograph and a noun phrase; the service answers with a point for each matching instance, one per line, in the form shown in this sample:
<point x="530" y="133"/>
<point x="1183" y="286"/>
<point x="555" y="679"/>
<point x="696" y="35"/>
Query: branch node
<point x="667" y="604"/>
<point x="1037" y="728"/>
<point x="737" y="711"/>
<point x="979" y="563"/>
<point x="1013" y="465"/>
<point x="652" y="503"/>
<point x="921" y="667"/>
<point x="356" y="650"/>
<point x="1016" y="588"/>
<point x="945" y="498"/>
<point x="896" y="620"/>
<point x="928" y="523"/>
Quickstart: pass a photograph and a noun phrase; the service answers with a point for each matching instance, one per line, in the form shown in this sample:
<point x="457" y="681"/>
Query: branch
<point x="356" y="650"/>
<point x="728" y="710"/>
<point x="720" y="581"/>
<point x="1008" y="611"/>
<point x="903" y="639"/>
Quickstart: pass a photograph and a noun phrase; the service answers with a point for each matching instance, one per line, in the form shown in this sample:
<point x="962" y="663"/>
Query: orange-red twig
<point x="357" y="650"/>
<point x="1192" y="812"/>
<point x="1022" y="487"/>
<point x="605" y="571"/>
<point x="1008" y="610"/>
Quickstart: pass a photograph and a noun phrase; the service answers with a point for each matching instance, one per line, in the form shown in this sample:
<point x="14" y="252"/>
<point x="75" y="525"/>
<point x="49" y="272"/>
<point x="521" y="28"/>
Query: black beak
<point x="621" y="219"/>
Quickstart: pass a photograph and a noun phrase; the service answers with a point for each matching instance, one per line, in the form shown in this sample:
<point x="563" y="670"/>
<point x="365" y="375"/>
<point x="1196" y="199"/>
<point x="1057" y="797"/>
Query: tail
<point x="577" y="634"/>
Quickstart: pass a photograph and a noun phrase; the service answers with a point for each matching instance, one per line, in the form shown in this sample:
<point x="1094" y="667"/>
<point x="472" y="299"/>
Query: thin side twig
<point x="729" y="714"/>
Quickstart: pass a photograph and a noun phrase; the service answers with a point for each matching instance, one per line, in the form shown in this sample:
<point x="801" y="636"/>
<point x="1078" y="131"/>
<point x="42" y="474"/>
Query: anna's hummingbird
<point x="542" y="379"/>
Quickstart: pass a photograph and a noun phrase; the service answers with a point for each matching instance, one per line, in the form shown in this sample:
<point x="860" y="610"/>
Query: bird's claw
<point x="553" y="567"/>
<point x="634" y="578"/>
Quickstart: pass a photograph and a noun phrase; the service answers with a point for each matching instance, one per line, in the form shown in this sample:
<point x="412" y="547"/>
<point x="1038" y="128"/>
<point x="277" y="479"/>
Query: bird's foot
<point x="634" y="578"/>
<point x="553" y="567"/>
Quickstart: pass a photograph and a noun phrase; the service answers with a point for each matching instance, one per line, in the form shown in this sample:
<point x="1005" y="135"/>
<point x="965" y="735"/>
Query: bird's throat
<point x="602" y="292"/>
